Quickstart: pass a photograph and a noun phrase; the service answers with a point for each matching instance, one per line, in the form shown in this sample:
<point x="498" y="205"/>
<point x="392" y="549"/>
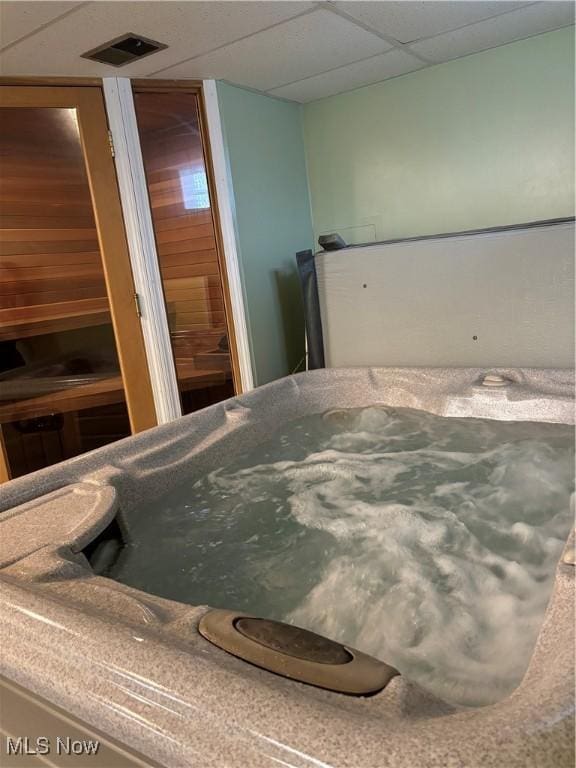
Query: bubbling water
<point x="428" y="542"/>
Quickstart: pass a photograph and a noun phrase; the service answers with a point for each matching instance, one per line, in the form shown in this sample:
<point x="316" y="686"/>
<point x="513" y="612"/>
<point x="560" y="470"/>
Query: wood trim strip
<point x="38" y="328"/>
<point x="44" y="296"/>
<point x="26" y="260"/>
<point x="50" y="272"/>
<point x="115" y="259"/>
<point x="17" y="287"/>
<point x="63" y="97"/>
<point x="75" y="82"/>
<point x="212" y="193"/>
<point x="53" y="311"/>
<point x="160" y="85"/>
<point x="37" y="235"/>
<point x="4" y="465"/>
<point x="142" y="247"/>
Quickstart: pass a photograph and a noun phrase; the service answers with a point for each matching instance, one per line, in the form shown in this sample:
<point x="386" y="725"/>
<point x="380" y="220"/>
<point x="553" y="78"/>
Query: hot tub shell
<point x="134" y="666"/>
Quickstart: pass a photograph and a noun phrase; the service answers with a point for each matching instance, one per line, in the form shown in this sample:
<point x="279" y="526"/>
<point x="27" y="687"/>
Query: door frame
<point x="119" y="97"/>
<point x="142" y="246"/>
<point x="88" y="103"/>
<point x="228" y="245"/>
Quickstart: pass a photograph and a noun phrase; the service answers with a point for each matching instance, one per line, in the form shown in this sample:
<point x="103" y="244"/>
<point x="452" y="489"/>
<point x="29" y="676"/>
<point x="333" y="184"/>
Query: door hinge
<point x="138" y="307"/>
<point x="111" y="142"/>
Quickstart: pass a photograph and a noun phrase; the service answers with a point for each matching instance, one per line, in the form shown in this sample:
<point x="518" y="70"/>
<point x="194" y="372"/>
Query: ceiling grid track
<point x="295" y="51"/>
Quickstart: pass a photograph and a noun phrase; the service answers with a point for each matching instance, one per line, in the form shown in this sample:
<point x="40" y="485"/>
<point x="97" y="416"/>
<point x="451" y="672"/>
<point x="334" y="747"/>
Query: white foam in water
<point x="428" y="542"/>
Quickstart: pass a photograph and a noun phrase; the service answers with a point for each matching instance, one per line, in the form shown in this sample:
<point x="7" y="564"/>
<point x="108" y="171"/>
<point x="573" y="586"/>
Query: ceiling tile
<point x="346" y="78"/>
<point x="189" y="28"/>
<point x="299" y="48"/>
<point x="531" y="20"/>
<point x="20" y="18"/>
<point x="407" y="21"/>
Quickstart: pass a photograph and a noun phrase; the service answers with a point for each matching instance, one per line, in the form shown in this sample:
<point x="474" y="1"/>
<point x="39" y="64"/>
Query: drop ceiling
<point x="294" y="50"/>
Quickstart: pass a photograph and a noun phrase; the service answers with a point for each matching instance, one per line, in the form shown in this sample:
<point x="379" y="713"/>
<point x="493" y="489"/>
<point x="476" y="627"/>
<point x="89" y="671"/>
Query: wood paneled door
<point x="73" y="370"/>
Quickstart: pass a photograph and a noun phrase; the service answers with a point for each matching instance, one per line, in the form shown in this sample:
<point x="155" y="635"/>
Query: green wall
<point x="265" y="148"/>
<point x="476" y="142"/>
<point x="484" y="140"/>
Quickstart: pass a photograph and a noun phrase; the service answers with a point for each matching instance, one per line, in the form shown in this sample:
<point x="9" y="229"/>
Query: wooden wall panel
<point x="185" y="236"/>
<point x="50" y="266"/>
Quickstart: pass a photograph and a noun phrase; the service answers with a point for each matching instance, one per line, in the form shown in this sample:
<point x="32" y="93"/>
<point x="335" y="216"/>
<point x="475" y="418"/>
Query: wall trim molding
<point x="225" y="202"/>
<point x="142" y="246"/>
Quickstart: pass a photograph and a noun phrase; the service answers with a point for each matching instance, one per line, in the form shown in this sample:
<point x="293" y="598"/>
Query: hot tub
<point x="136" y="668"/>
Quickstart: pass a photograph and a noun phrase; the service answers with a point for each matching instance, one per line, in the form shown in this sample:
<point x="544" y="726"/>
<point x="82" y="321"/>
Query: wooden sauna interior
<point x="61" y="392"/>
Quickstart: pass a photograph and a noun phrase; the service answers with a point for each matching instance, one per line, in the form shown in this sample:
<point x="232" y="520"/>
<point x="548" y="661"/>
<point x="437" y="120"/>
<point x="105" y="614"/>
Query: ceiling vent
<point x="122" y="50"/>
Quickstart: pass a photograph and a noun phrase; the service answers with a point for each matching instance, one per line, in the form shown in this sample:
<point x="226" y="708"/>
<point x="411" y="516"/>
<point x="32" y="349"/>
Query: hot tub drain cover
<point x="296" y="653"/>
<point x="293" y="641"/>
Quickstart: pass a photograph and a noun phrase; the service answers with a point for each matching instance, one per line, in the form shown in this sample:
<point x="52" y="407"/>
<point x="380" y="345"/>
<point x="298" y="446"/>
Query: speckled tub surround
<point x="134" y="666"/>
